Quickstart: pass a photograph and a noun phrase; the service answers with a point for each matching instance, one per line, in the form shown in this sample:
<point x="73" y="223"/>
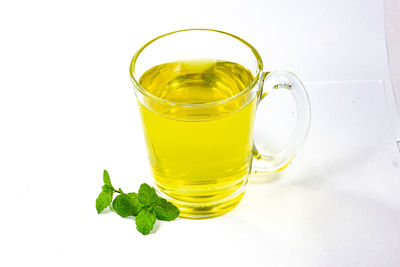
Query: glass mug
<point x="198" y="91"/>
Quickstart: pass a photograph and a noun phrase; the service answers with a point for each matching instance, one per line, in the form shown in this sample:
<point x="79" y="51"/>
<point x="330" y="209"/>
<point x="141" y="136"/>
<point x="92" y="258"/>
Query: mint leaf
<point x="145" y="221"/>
<point x="107" y="188"/>
<point x="165" y="211"/>
<point x="103" y="200"/>
<point x="147" y="195"/>
<point x="105" y="197"/>
<point x="106" y="179"/>
<point x="126" y="205"/>
<point x="137" y="207"/>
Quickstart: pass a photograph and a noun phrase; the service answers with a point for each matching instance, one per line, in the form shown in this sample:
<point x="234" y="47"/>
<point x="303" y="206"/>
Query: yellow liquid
<point x="199" y="154"/>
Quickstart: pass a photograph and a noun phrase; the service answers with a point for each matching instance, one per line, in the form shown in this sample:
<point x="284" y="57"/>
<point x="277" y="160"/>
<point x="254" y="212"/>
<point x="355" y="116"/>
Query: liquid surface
<point x="197" y="81"/>
<point x="199" y="155"/>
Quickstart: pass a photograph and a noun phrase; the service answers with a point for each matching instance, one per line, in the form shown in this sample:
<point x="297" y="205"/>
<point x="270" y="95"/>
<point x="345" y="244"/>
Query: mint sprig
<point x="147" y="206"/>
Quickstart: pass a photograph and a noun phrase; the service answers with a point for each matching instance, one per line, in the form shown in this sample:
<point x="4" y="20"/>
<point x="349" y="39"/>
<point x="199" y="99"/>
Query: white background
<point x="392" y="29"/>
<point x="68" y="111"/>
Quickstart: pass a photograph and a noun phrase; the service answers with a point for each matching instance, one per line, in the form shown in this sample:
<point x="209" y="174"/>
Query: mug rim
<point x="222" y="101"/>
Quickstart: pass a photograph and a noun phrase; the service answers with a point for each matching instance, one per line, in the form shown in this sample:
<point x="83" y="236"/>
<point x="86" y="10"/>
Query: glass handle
<point x="269" y="164"/>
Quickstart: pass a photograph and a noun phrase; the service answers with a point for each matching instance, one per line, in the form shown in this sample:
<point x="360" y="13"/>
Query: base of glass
<point x="206" y="210"/>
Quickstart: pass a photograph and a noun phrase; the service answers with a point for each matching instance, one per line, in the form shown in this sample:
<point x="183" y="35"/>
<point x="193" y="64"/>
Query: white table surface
<point x="67" y="111"/>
